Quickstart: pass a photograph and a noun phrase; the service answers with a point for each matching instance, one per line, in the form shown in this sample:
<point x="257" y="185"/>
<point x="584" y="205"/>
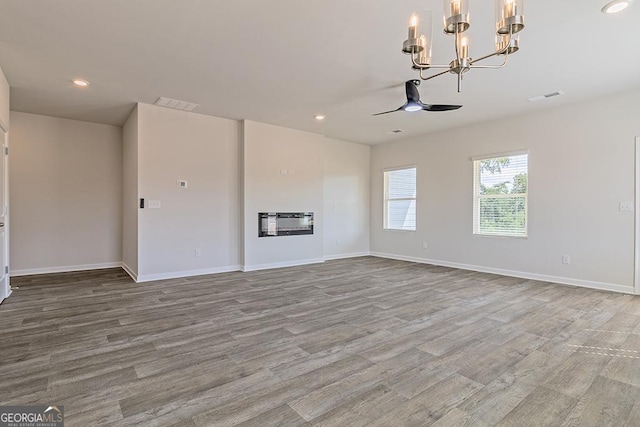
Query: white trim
<point x="477" y="197"/>
<point x="636" y="258"/>
<point x="386" y="200"/>
<point x="282" y="264"/>
<point x="398" y="168"/>
<point x="346" y="256"/>
<point x="63" y="269"/>
<point x="186" y="273"/>
<point x="512" y="273"/>
<point x="503" y="154"/>
<point x="130" y="272"/>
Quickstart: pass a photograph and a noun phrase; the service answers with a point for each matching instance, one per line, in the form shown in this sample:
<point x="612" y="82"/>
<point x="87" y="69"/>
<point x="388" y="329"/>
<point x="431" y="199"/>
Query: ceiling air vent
<point x="545" y="96"/>
<point x="176" y="104"/>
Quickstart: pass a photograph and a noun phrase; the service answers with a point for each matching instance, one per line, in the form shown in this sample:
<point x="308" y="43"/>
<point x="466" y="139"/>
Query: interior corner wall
<point x="581" y="165"/>
<point x="346" y="198"/>
<point x="195" y="229"/>
<point x="130" y="194"/>
<point x="4" y="101"/>
<point x="65" y="194"/>
<point x="283" y="172"/>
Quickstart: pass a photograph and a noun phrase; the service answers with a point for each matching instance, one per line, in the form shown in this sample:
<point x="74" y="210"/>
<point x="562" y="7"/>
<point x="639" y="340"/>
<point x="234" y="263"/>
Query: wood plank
<point x="348" y="342"/>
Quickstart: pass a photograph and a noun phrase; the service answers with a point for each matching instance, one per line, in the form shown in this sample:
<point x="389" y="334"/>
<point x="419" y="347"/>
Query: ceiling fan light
<point x="616" y="6"/>
<point x="412" y="107"/>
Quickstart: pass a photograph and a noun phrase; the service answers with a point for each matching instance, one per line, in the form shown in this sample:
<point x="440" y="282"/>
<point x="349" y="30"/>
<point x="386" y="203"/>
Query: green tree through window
<point x="500" y="195"/>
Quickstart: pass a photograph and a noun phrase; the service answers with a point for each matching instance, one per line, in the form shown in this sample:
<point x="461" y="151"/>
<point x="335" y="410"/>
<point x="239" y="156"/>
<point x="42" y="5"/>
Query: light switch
<point x="626" y="206"/>
<point x="153" y="204"/>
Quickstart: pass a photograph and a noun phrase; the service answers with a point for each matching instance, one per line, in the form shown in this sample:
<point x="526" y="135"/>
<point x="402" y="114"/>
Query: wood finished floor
<point x="359" y="342"/>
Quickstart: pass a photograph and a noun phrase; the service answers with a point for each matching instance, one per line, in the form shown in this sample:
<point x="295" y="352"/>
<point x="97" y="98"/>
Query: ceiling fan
<point x="413" y="101"/>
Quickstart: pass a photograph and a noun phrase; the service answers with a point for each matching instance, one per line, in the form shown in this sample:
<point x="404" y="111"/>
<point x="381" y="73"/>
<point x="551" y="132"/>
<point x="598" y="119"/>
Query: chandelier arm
<point x="433" y="76"/>
<point x="456" y="44"/>
<point x="504" y="51"/>
<point x="482" y="58"/>
<point x="419" y="66"/>
<point x="504" y="62"/>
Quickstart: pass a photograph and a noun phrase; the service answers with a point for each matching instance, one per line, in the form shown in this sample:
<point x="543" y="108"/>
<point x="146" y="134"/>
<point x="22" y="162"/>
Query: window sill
<point x="501" y="236"/>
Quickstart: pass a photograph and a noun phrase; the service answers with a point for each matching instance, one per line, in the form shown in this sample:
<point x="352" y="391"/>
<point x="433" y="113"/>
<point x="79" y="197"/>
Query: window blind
<point x="400" y="199"/>
<point x="500" y="195"/>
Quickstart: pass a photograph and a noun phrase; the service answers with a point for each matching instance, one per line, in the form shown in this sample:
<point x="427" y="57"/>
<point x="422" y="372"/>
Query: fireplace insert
<point x="271" y="224"/>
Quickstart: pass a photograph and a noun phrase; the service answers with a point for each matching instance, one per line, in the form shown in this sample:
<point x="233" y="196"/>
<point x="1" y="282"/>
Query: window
<point x="400" y="199"/>
<point x="500" y="195"/>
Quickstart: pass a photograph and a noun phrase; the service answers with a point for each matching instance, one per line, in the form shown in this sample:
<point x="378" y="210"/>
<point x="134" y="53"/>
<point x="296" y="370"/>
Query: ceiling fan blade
<point x="387" y="112"/>
<point x="411" y="90"/>
<point x="440" y="107"/>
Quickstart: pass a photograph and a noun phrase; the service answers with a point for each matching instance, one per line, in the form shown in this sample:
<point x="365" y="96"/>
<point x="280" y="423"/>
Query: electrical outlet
<point x="566" y="259"/>
<point x="198" y="252"/>
<point x="424" y="245"/>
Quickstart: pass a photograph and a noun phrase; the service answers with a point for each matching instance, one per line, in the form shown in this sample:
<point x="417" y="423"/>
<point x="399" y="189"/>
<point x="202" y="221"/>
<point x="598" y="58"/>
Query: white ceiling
<point x="284" y="61"/>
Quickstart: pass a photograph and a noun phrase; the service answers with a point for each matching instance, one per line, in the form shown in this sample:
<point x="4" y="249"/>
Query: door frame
<point x="4" y="204"/>
<point x="636" y="276"/>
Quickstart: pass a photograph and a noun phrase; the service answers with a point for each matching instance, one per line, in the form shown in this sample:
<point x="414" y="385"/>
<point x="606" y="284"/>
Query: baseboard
<point x="130" y="272"/>
<point x="345" y="256"/>
<point x="512" y="273"/>
<point x="186" y="273"/>
<point x="257" y="267"/>
<point x="63" y="269"/>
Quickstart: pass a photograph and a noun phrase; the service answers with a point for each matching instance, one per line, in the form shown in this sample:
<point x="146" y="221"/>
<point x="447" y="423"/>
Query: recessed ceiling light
<point x="616" y="6"/>
<point x="80" y="82"/>
<point x="320" y="117"/>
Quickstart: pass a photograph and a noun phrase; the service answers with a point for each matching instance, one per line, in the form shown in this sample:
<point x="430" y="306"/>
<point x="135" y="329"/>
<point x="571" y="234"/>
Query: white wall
<point x="581" y="165"/>
<point x="65" y="194"/>
<point x="267" y="151"/>
<point x="130" y="194"/>
<point x="346" y="198"/>
<point x="175" y="145"/>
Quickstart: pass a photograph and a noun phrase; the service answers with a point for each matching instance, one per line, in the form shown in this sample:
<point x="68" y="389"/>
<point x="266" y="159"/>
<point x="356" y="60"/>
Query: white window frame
<point x="386" y="199"/>
<point x="477" y="196"/>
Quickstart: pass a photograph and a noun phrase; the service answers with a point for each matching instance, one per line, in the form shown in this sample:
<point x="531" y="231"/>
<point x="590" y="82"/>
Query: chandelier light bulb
<point x="464" y="45"/>
<point x="413" y="27"/>
<point x="455" y="7"/>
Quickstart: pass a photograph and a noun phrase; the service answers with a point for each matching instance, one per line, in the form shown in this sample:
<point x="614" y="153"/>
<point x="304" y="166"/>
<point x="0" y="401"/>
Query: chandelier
<point x="509" y="22"/>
